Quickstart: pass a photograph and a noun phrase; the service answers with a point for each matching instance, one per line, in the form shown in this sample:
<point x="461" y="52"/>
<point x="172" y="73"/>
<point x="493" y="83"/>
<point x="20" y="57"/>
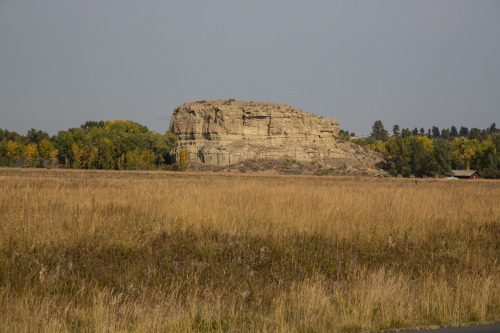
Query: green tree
<point x="443" y="155"/>
<point x="365" y="141"/>
<point x="93" y="124"/>
<point x="147" y="159"/>
<point x="445" y="134"/>
<point x="63" y="142"/>
<point x="484" y="135"/>
<point x="406" y="133"/>
<point x="435" y="132"/>
<point x="3" y="153"/>
<point x="344" y="134"/>
<point x="106" y="144"/>
<point x="475" y="133"/>
<point x="132" y="159"/>
<point x="106" y="157"/>
<point x="92" y="157"/>
<point x="379" y="132"/>
<point x="453" y="132"/>
<point x="395" y="130"/>
<point x="399" y="154"/>
<point x="422" y="162"/>
<point x="47" y="153"/>
<point x="493" y="128"/>
<point x="464" y="132"/>
<point x="484" y="156"/>
<point x="12" y="136"/>
<point x="36" y="136"/>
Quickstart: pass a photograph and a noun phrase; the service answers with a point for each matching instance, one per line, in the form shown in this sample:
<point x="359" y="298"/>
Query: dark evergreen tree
<point x="395" y="130"/>
<point x="435" y="132"/>
<point x="493" y="128"/>
<point x="445" y="134"/>
<point x="484" y="135"/>
<point x="464" y="131"/>
<point x="414" y="131"/>
<point x="379" y="132"/>
<point x="474" y="133"/>
<point x="406" y="133"/>
<point x="453" y="132"/>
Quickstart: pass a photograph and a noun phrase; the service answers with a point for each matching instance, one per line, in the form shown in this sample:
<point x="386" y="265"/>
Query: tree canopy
<point x="379" y="132"/>
<point x="438" y="152"/>
<point x="118" y="144"/>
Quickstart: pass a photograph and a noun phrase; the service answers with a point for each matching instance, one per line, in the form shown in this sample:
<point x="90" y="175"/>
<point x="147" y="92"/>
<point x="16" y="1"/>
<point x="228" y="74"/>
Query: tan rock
<point x="222" y="132"/>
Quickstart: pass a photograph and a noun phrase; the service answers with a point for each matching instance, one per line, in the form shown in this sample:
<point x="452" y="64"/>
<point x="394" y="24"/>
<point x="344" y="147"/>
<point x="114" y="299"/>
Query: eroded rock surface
<point x="223" y="132"/>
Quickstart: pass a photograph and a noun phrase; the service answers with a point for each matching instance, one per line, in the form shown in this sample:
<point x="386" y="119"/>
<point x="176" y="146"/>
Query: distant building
<point x="465" y="174"/>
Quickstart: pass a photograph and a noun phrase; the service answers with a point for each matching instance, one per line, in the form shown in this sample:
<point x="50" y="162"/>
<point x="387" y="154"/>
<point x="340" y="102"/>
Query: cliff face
<point x="222" y="132"/>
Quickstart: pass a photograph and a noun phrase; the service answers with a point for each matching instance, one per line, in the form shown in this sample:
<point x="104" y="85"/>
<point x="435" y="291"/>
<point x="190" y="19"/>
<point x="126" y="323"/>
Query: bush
<point x="490" y="173"/>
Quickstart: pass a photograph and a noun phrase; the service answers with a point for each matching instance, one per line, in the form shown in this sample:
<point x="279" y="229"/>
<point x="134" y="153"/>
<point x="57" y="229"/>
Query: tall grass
<point x="153" y="251"/>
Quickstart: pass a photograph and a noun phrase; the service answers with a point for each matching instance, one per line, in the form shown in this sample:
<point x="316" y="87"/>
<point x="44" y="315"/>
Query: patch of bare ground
<point x="290" y="166"/>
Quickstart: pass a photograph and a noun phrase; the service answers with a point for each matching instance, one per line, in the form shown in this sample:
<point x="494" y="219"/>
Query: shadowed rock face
<point x="222" y="132"/>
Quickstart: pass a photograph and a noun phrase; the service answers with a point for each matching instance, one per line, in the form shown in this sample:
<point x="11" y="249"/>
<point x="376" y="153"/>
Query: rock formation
<point x="223" y="132"/>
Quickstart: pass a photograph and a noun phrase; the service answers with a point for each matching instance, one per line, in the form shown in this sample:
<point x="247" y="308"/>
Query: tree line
<point x="126" y="145"/>
<point x="434" y="152"/>
<point x="118" y="144"/>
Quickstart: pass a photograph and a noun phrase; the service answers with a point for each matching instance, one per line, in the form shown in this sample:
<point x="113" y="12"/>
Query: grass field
<point x="158" y="251"/>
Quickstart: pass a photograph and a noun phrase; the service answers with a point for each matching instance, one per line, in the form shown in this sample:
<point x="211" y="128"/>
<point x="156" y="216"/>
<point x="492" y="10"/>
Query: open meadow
<point x="163" y="251"/>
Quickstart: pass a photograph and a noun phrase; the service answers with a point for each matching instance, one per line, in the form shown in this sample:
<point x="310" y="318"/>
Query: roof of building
<point x="463" y="173"/>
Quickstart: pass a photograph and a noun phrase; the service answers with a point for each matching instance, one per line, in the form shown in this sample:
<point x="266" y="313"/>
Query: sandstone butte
<point x="224" y="132"/>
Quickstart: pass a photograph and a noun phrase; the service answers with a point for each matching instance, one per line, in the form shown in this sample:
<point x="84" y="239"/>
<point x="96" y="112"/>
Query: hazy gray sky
<point x="414" y="63"/>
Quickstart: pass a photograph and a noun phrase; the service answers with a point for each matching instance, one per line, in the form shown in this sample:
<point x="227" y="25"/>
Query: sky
<point x="419" y="63"/>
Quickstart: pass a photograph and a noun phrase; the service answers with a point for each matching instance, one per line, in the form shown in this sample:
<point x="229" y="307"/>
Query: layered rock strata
<point x="223" y="132"/>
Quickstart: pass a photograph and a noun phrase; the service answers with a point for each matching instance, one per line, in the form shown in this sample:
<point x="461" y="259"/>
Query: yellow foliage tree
<point x="122" y="125"/>
<point x="427" y="143"/>
<point x="464" y="151"/>
<point x="184" y="159"/>
<point x="14" y="152"/>
<point x="78" y="156"/>
<point x="47" y="152"/>
<point x="379" y="146"/>
<point x="92" y="155"/>
<point x="147" y="159"/>
<point x="132" y="159"/>
<point x="121" y="162"/>
<point x="30" y="155"/>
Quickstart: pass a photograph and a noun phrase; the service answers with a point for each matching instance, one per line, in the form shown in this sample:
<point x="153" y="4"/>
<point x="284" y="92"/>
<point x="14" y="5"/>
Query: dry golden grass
<point x="157" y="251"/>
